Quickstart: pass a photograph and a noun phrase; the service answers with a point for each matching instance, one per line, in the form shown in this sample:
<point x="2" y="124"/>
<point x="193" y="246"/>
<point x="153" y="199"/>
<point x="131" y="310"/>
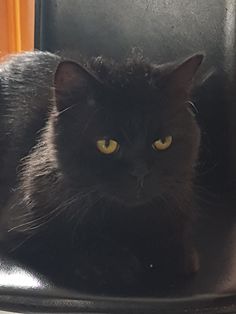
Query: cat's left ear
<point x="72" y="83"/>
<point x="182" y="77"/>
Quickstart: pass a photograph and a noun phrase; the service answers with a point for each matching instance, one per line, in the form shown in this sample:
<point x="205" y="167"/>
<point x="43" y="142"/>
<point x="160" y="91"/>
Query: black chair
<point x="165" y="30"/>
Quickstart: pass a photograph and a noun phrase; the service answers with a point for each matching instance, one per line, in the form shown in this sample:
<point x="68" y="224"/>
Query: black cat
<point x="105" y="155"/>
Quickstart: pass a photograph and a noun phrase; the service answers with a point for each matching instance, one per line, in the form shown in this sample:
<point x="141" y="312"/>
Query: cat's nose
<point x="140" y="171"/>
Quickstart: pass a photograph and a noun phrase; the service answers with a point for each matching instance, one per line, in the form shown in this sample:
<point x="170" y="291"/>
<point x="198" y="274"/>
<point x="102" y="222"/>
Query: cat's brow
<point x="90" y="120"/>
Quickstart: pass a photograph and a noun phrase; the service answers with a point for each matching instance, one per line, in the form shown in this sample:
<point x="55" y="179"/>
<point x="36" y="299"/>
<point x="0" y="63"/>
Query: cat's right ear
<point x="72" y="83"/>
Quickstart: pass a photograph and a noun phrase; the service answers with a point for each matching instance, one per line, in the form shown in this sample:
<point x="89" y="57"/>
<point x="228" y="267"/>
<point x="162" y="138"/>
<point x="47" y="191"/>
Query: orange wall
<point x="16" y="25"/>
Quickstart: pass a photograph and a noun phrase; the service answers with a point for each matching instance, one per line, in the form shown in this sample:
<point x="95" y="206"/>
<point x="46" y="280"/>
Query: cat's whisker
<point x="66" y="109"/>
<point x="14" y="248"/>
<point x="201" y="173"/>
<point x="81" y="218"/>
<point x="51" y="214"/>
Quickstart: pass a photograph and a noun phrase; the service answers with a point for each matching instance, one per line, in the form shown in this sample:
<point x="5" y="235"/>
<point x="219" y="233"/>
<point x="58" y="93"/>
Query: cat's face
<point x="130" y="137"/>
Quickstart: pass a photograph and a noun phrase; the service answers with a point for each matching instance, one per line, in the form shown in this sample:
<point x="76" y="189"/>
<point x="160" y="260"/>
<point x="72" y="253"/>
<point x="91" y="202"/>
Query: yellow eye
<point x="107" y="146"/>
<point x="163" y="143"/>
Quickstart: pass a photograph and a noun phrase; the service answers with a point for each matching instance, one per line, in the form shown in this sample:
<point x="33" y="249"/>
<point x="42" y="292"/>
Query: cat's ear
<point x="182" y="76"/>
<point x="72" y="83"/>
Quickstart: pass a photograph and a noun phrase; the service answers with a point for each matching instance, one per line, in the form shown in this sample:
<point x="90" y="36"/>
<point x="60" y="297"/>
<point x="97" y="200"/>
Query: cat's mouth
<point x="136" y="202"/>
<point x="138" y="198"/>
<point x="130" y="193"/>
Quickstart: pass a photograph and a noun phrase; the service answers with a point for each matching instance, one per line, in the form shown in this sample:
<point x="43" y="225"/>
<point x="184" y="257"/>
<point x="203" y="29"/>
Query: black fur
<point x="77" y="215"/>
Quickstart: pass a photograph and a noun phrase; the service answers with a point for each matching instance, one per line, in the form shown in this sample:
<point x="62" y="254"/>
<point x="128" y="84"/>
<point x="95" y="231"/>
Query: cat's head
<point x="125" y="130"/>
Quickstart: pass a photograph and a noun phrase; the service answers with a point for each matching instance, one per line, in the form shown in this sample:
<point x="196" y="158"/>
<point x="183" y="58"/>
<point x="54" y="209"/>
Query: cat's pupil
<point x="107" y="143"/>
